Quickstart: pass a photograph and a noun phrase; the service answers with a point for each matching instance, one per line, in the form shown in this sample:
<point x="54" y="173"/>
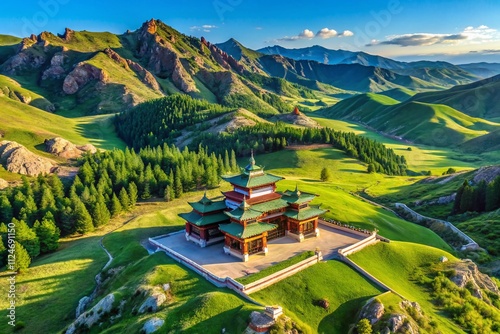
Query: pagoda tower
<point x="202" y="223"/>
<point x="252" y="214"/>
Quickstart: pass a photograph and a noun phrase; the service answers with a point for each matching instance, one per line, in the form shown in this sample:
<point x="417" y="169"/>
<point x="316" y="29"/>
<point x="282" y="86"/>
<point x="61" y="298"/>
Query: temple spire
<point x="252" y="160"/>
<point x="297" y="191"/>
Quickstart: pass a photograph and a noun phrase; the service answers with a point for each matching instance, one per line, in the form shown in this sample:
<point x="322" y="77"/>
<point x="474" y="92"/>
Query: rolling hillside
<point x="478" y="99"/>
<point x="414" y="121"/>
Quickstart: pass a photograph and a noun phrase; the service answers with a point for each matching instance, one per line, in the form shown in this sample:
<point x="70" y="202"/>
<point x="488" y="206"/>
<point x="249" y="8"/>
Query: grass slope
<point x="420" y="157"/>
<point x="343" y="287"/>
<point x="396" y="263"/>
<point x="30" y="126"/>
<point x="400" y="94"/>
<point x="478" y="99"/>
<point x="425" y="123"/>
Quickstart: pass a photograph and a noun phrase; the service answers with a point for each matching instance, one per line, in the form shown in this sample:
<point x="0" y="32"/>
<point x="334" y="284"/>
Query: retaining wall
<point x="471" y="244"/>
<point x="243" y="290"/>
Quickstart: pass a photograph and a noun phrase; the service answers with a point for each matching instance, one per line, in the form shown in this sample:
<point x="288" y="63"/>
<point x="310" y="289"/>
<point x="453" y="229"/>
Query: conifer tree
<point x="23" y="259"/>
<point x="325" y="174"/>
<point x="234" y="165"/>
<point x="6" y="212"/>
<point x="177" y="184"/>
<point x="27" y="237"/>
<point x="132" y="193"/>
<point x="81" y="217"/>
<point x="48" y="233"/>
<point x="100" y="213"/>
<point x="116" y="206"/>
<point x="124" y="199"/>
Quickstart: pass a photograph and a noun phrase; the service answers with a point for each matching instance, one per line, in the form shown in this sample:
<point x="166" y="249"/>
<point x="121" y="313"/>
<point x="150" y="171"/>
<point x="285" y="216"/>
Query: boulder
<point x="3" y="184"/>
<point x="153" y="302"/>
<point x="92" y="316"/>
<point x="372" y="311"/>
<point x="152" y="325"/>
<point x="65" y="149"/>
<point x="18" y="159"/>
<point x="56" y="70"/>
<point x="81" y="75"/>
<point x="396" y="321"/>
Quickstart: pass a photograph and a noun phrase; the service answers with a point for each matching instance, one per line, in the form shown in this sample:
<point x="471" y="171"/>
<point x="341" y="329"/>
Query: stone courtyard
<point x="216" y="261"/>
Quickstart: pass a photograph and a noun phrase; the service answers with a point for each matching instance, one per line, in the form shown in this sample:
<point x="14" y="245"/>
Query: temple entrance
<point x="255" y="246"/>
<point x="279" y="232"/>
<point x="309" y="227"/>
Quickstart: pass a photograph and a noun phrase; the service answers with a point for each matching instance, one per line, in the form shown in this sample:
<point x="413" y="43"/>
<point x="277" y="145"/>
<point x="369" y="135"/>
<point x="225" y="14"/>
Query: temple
<point x="251" y="214"/>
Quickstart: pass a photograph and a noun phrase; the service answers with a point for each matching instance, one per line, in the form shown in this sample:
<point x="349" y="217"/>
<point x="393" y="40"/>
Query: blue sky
<point x="457" y="31"/>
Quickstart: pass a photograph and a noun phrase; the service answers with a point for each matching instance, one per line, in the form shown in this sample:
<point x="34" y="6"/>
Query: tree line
<point x="274" y="137"/>
<point x="162" y="120"/>
<point x="482" y="197"/>
<point x="159" y="121"/>
<point x="107" y="184"/>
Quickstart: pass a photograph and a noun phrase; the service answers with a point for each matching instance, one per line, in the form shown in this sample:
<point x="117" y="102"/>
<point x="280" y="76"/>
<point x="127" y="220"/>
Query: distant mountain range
<point x="335" y="57"/>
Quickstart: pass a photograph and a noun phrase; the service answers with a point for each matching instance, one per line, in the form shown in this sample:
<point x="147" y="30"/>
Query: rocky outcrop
<point x="143" y="74"/>
<point x="162" y="58"/>
<point x="18" y="159"/>
<point x="23" y="61"/>
<point x="65" y="149"/>
<point x="81" y="75"/>
<point x="152" y="325"/>
<point x="299" y="119"/>
<point x="3" y="184"/>
<point x="372" y="311"/>
<point x="56" y="70"/>
<point x="153" y="302"/>
<point x="466" y="272"/>
<point x="91" y="317"/>
<point x="487" y="174"/>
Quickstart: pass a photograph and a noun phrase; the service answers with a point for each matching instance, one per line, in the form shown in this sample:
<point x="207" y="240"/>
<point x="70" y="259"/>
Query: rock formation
<point x="3" y="184"/>
<point x="56" y="70"/>
<point x="153" y="302"/>
<point x="372" y="311"/>
<point x="152" y="325"/>
<point x="81" y="75"/>
<point x="18" y="159"/>
<point x="91" y="317"/>
<point x="466" y="271"/>
<point x="65" y="149"/>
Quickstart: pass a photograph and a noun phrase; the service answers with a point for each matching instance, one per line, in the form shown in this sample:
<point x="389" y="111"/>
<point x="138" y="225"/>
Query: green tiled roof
<point x="247" y="181"/>
<point x="243" y="214"/>
<point x="305" y="213"/>
<point x="251" y="230"/>
<point x="297" y="197"/>
<point x="271" y="205"/>
<point x="205" y="206"/>
<point x="199" y="220"/>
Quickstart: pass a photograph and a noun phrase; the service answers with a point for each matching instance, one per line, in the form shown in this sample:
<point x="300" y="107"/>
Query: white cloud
<point x="304" y="34"/>
<point x="468" y="35"/>
<point x="346" y="33"/>
<point x="326" y="33"/>
<point x="205" y="27"/>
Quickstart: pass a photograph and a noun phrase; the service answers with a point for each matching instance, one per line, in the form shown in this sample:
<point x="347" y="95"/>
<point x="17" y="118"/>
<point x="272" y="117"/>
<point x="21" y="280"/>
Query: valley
<point x="170" y="114"/>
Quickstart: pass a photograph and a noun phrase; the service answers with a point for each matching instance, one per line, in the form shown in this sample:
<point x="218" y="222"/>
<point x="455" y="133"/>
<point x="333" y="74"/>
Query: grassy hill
<point x="397" y="264"/>
<point x="478" y="99"/>
<point x="300" y="293"/>
<point x="400" y="94"/>
<point x="430" y="124"/>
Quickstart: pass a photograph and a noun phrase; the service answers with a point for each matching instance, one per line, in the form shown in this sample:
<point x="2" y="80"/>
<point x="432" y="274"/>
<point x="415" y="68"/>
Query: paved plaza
<point x="215" y="260"/>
